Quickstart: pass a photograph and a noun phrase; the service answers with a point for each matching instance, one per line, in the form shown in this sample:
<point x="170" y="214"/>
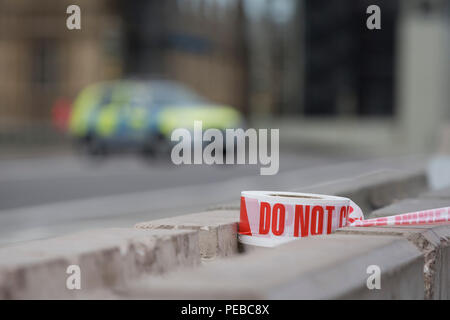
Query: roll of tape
<point x="269" y="218"/>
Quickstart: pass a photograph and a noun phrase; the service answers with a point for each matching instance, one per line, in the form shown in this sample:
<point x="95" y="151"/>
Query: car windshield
<point x="153" y="93"/>
<point x="170" y="93"/>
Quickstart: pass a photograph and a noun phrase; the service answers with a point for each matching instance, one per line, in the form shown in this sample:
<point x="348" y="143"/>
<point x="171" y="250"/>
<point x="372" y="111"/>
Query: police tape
<point x="269" y="218"/>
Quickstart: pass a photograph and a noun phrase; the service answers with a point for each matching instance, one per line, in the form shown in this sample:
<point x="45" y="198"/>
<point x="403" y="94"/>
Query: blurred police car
<point x="128" y="114"/>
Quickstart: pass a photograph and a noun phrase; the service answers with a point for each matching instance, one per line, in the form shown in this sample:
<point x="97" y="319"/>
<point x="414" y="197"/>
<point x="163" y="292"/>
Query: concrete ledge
<point x="217" y="230"/>
<point x="370" y="191"/>
<point x="323" y="267"/>
<point x="218" y="226"/>
<point x="437" y="194"/>
<point x="410" y="205"/>
<point x="318" y="267"/>
<point x="106" y="257"/>
<point x="434" y="243"/>
<point x="375" y="190"/>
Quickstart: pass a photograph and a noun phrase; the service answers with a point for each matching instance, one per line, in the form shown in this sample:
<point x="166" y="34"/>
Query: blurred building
<point x="201" y="43"/>
<point x="357" y="89"/>
<point x="309" y="67"/>
<point x="41" y="60"/>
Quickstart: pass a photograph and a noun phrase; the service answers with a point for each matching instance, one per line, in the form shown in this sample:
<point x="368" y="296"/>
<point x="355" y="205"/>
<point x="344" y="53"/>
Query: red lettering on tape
<point x="301" y="220"/>
<point x="264" y="218"/>
<point x="317" y="220"/>
<point x="330" y="210"/>
<point x="278" y="221"/>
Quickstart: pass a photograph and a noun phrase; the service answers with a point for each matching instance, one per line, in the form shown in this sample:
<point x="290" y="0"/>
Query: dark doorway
<point x="349" y="69"/>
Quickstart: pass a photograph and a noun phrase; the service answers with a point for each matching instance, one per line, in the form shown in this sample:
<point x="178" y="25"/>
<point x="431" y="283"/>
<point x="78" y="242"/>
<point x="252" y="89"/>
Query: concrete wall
<point x="200" y="256"/>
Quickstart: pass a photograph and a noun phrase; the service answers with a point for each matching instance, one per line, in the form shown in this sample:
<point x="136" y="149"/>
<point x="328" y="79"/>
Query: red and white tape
<point x="269" y="218"/>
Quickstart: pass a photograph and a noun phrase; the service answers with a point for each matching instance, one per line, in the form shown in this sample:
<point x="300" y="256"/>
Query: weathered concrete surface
<point x="410" y="205"/>
<point x="323" y="267"/>
<point x="217" y="230"/>
<point x="370" y="191"/>
<point x="328" y="267"/>
<point x="106" y="257"/>
<point x="434" y="243"/>
<point x="375" y="190"/>
<point x="437" y="194"/>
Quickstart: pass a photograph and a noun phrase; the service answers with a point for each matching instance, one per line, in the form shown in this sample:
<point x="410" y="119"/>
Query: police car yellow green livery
<point x="137" y="114"/>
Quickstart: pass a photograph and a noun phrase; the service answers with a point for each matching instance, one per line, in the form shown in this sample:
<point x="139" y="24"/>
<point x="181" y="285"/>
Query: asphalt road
<point x="40" y="180"/>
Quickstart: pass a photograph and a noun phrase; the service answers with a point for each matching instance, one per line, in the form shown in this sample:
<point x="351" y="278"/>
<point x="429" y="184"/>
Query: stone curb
<point x="106" y="257"/>
<point x="218" y="226"/>
<point x="434" y="243"/>
<point x="370" y="191"/>
<point x="410" y="205"/>
<point x="376" y="190"/>
<point x="322" y="267"/>
<point x="110" y="258"/>
<point x="217" y="230"/>
<point x="443" y="193"/>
